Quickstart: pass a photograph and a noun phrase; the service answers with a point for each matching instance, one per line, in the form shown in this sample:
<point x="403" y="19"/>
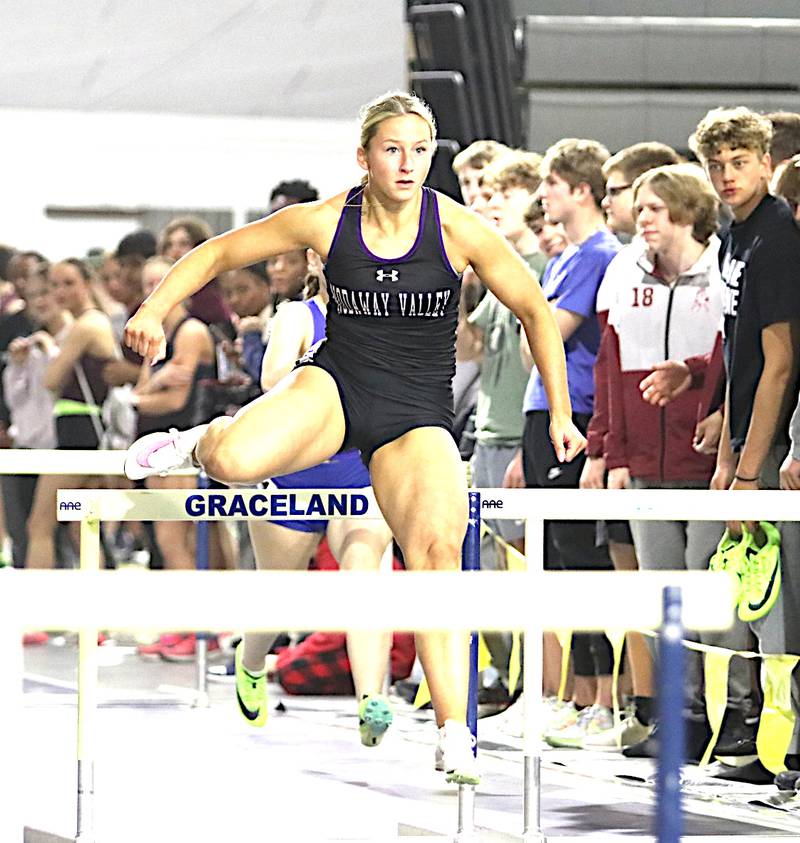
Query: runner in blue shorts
<point x="357" y="544"/>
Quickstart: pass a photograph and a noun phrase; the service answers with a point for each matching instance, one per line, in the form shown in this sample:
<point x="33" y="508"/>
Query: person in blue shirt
<point x="572" y="189"/>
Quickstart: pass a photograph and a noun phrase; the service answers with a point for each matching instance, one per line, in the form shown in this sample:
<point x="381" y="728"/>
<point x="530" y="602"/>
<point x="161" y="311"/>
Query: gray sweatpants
<point x="779" y="630"/>
<point x="687" y="546"/>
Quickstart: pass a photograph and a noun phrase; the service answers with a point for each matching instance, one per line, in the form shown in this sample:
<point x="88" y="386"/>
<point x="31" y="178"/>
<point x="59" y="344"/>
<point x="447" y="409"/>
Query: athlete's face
<point x="244" y="292"/>
<point x="558" y="198"/>
<point x="176" y="244"/>
<point x="126" y="285"/>
<point x="653" y="224"/>
<point x="398" y="156"/>
<point x="618" y="203"/>
<point x="469" y="179"/>
<point x="740" y="178"/>
<point x="481" y="199"/>
<point x="152" y="275"/>
<point x="551" y="236"/>
<point x="287" y="272"/>
<point x="69" y="288"/>
<point x="42" y="304"/>
<point x="508" y="207"/>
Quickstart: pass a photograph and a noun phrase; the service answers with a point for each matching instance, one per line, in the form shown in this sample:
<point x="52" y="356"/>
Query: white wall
<point x="153" y="160"/>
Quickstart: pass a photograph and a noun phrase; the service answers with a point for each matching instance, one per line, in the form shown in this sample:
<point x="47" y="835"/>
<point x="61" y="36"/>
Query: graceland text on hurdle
<point x="278" y="505"/>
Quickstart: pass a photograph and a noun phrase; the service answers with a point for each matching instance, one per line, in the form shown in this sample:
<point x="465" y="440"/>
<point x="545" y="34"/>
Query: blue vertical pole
<point x="672" y="745"/>
<point x="201" y="543"/>
<point x="471" y="561"/>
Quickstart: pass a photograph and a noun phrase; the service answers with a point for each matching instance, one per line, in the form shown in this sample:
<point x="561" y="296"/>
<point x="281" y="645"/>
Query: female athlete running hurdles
<point x="381" y="382"/>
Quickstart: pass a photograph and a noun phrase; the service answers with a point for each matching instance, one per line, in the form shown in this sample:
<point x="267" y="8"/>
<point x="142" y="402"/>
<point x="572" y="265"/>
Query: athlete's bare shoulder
<point x="462" y="230"/>
<point x="319" y="219"/>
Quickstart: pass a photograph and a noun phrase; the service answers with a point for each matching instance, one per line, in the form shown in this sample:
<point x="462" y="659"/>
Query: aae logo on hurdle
<point x="71" y="506"/>
<point x="491" y="503"/>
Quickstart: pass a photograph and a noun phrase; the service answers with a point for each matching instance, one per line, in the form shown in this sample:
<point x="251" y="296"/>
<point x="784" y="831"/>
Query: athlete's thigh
<point x="299" y="423"/>
<point x="421" y="488"/>
<point x="358" y="542"/>
<point x="278" y="548"/>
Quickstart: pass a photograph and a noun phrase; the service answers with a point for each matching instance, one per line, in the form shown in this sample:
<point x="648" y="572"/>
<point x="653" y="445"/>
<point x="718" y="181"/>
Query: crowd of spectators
<point x="673" y="282"/>
<point x="673" y="286"/>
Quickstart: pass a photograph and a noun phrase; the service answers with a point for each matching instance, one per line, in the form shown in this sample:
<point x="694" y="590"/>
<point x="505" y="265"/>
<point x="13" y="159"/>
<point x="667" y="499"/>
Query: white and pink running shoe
<point x="162" y="452"/>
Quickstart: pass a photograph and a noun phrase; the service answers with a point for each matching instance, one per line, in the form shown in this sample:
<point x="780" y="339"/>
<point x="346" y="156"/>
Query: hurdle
<point x="110" y="463"/>
<point x="91" y="598"/>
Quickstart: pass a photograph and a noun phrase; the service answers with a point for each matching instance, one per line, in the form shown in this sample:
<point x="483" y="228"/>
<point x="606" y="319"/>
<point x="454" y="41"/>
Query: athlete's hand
<point x="566" y="438"/>
<point x="619" y="478"/>
<point x="707" y="434"/>
<point x="735" y="527"/>
<point x="667" y="381"/>
<point x="144" y="333"/>
<point x="790" y="474"/>
<point x="722" y="477"/>
<point x="514" y="477"/>
<point x="593" y="475"/>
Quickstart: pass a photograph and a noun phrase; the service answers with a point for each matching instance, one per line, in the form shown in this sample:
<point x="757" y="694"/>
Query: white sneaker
<point x="555" y="713"/>
<point x="626" y="733"/>
<point x="455" y="755"/>
<point x="590" y="721"/>
<point x="162" y="452"/>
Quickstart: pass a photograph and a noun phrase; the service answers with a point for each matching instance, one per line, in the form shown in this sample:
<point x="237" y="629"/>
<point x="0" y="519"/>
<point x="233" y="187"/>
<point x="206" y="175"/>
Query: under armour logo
<point x="392" y="275"/>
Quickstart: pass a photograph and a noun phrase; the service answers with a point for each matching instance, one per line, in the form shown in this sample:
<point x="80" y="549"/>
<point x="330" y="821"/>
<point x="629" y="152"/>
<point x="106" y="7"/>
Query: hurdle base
<point x="409" y="833"/>
<point x="35" y="835"/>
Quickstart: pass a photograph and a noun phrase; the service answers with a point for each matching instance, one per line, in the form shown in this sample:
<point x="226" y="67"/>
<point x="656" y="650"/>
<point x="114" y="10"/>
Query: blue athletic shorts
<point x="342" y="471"/>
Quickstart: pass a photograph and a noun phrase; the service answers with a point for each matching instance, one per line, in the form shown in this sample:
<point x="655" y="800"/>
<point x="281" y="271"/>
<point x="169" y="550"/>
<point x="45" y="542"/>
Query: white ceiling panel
<point x="273" y="58"/>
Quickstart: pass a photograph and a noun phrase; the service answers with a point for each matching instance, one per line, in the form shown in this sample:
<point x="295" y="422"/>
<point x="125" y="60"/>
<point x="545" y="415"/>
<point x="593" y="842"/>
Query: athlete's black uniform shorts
<point x="380" y="411"/>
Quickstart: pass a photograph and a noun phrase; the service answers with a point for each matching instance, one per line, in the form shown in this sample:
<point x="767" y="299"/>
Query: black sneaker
<point x="492" y="699"/>
<point x="736" y="738"/>
<point x="698" y="734"/>
<point x="788" y="780"/>
<point x="753" y="773"/>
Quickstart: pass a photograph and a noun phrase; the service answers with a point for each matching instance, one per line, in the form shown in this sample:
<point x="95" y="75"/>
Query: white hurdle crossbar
<point x="529" y="601"/>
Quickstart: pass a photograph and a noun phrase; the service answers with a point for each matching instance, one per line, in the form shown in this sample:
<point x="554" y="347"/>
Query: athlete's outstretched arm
<point x="508" y="277"/>
<point x="291" y="228"/>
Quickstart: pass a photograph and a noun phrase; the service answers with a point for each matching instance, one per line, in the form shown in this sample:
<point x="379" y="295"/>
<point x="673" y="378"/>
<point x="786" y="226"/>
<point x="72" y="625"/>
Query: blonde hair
<point x="392" y="104"/>
<point x="516" y="168"/>
<point x="687" y="194"/>
<point x="578" y="161"/>
<point x="478" y="155"/>
<point x="198" y="230"/>
<point x="639" y="158"/>
<point x="158" y="260"/>
<point x="736" y="128"/>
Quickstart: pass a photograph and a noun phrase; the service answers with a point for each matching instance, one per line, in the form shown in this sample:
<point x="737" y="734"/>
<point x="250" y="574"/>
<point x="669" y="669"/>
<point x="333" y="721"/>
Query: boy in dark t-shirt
<point x="760" y="268"/>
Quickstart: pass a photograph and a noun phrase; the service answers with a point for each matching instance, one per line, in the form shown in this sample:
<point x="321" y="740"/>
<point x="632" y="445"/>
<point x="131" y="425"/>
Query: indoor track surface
<point x="167" y="771"/>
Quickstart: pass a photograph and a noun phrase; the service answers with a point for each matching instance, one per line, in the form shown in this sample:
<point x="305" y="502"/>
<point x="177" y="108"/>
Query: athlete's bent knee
<point x="226" y="461"/>
<point x="440" y="553"/>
